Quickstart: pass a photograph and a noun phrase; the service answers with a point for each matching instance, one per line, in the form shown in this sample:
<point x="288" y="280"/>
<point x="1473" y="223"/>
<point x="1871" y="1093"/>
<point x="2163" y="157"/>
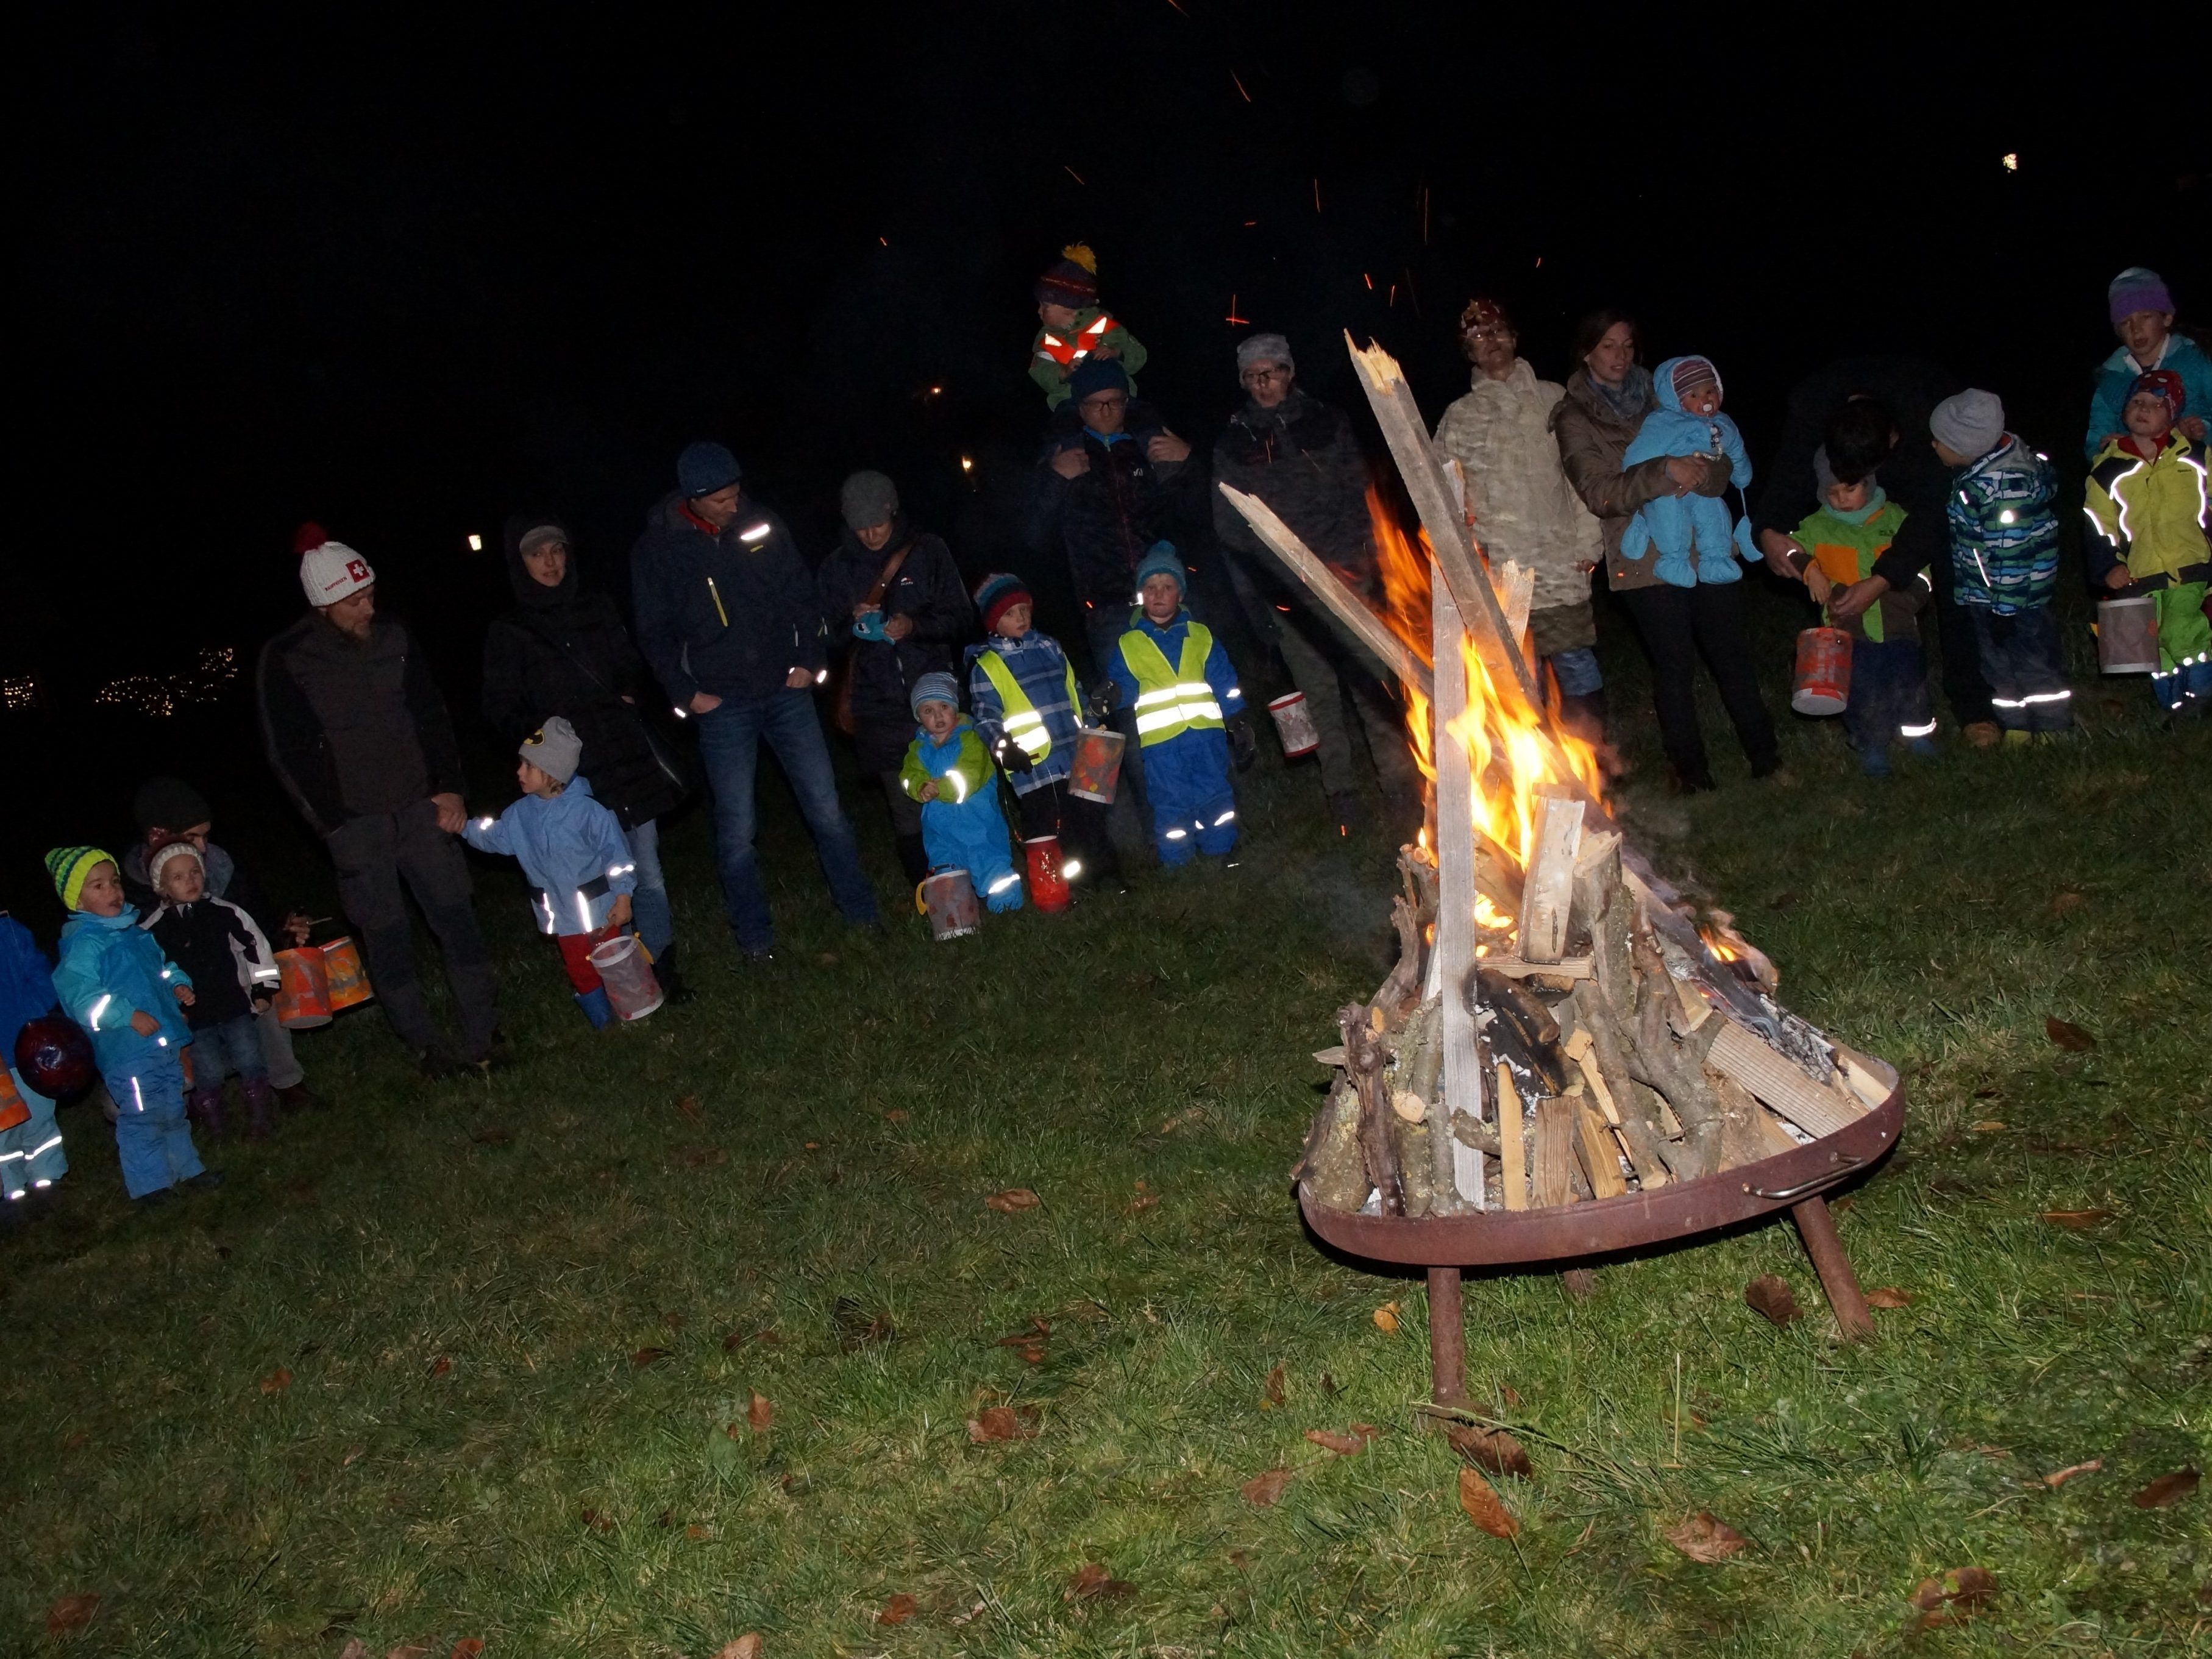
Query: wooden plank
<point x="1512" y="1154"/>
<point x="1453" y="954"/>
<point x="1555" y="1153"/>
<point x="1737" y="1054"/>
<point x="1518" y="968"/>
<point x="1548" y="891"/>
<point x="1600" y="1159"/>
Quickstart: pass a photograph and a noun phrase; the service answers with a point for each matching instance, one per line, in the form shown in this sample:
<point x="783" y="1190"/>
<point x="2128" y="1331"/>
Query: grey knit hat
<point x="554" y="749"/>
<point x="867" y="500"/>
<point x="1263" y="349"/>
<point x="1971" y="423"/>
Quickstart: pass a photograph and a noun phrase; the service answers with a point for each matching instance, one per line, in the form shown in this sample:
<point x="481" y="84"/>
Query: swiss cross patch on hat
<point x="333" y="572"/>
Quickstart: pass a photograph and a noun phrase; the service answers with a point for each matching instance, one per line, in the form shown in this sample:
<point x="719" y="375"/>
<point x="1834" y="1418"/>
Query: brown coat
<point x="1592" y="439"/>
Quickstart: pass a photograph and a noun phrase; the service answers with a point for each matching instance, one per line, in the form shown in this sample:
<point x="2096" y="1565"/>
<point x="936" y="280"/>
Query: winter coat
<point x="1104" y="520"/>
<point x="1913" y="475"/>
<point x="227" y="958"/>
<point x="1220" y="677"/>
<point x="1847" y="545"/>
<point x="110" y="968"/>
<point x="2151" y="514"/>
<point x="1691" y="533"/>
<point x="571" y="850"/>
<point x="963" y="828"/>
<point x="223" y="879"/>
<point x="929" y="592"/>
<point x="2118" y="372"/>
<point x="564" y="651"/>
<point x="728" y="612"/>
<point x="1041" y="671"/>
<point x="1593" y="435"/>
<point x="2004" y="530"/>
<point x="355" y="728"/>
<point x="1524" y="508"/>
<point x="1051" y="380"/>
<point x="26" y="983"/>
<point x="1302" y="459"/>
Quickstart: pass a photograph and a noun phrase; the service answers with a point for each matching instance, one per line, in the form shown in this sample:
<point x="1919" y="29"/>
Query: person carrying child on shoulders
<point x="1176" y="681"/>
<point x="1074" y="329"/>
<point x="2147" y="499"/>
<point x="114" y="981"/>
<point x="234" y="980"/>
<point x="574" y="853"/>
<point x="2003" y="519"/>
<point x="949" y="771"/>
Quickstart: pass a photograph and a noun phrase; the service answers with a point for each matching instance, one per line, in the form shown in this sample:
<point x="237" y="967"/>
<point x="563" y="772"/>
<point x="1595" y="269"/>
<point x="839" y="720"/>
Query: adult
<point x="169" y="810"/>
<point x="563" y="650"/>
<point x="1607" y="396"/>
<point x="1888" y="433"/>
<point x="2142" y="309"/>
<point x="361" y="740"/>
<point x="896" y="605"/>
<point x="1524" y="509"/>
<point x="1298" y="455"/>
<point x="731" y="621"/>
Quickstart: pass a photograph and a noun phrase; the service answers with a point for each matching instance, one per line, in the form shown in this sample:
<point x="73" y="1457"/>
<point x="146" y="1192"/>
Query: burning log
<point x="1548" y="891"/>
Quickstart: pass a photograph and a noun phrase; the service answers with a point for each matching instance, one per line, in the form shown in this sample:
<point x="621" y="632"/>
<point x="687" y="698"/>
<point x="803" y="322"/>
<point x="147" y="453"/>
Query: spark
<point x="1177" y="4"/>
<point x="2011" y="162"/>
<point x="1072" y="173"/>
<point x="885" y="241"/>
<point x="1370" y="281"/>
<point x="1248" y="223"/>
<point x="1393" y="300"/>
<point x="1232" y="317"/>
<point x="1239" y="80"/>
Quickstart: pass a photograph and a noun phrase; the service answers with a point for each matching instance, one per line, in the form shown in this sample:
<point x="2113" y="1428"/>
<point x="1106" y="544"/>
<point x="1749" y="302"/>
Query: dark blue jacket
<point x="731" y="615"/>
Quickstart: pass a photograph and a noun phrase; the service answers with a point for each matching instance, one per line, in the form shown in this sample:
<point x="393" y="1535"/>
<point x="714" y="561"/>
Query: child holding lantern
<point x="2147" y="499"/>
<point x="948" y="772"/>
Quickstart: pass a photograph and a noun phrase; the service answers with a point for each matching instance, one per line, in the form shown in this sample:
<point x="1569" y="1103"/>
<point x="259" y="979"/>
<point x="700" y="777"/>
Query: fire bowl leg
<point x="1447" y="1338"/>
<point x="1818" y="1228"/>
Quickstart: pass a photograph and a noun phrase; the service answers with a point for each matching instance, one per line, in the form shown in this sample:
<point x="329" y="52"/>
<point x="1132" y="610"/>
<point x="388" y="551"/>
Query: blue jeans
<point x="655" y="921"/>
<point x="1577" y="671"/>
<point x="236" y="1043"/>
<point x="729" y="742"/>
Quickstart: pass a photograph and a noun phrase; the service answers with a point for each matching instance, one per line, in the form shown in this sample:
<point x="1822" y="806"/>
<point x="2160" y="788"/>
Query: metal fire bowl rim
<point x="1632" y="1221"/>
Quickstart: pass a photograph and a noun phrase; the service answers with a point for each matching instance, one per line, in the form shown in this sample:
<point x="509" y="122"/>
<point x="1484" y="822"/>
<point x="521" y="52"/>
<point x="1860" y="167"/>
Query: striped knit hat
<point x="933" y="688"/>
<point x="70" y="866"/>
<point x="1000" y="592"/>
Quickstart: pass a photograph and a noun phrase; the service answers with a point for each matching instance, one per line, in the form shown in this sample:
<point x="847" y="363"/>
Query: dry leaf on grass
<point x="1264" y="1491"/>
<point x="596" y="1522"/>
<point x="1988" y="1126"/>
<point x="409" y="1650"/>
<point x="1484" y="1507"/>
<point x="690" y="1107"/>
<point x="644" y="1356"/>
<point x="1092" y="1583"/>
<point x="2065" y="904"/>
<point x="1961" y="1593"/>
<point x="1271" y="1394"/>
<point x="1349" y="1444"/>
<point x="900" y="1609"/>
<point x="1386" y="1319"/>
<point x="1012" y="1200"/>
<point x="353" y="1648"/>
<point x="2068" y="1036"/>
<point x="440" y="1366"/>
<point x="2167" y="1489"/>
<point x="1769" y="1294"/>
<point x="896" y="1114"/>
<point x="467" y="1648"/>
<point x="1003" y="1422"/>
<point x="1888" y="1295"/>
<point x="1701" y="1538"/>
<point x="76" y="1442"/>
<point x="277" y="1382"/>
<point x="703" y="1158"/>
<point x="760" y="1413"/>
<point x="71" y="1613"/>
<point x="748" y="1646"/>
<point x="493" y="1135"/>
<point x="2079" y="1220"/>
<point x="2060" y="1477"/>
<point x="1489" y="1449"/>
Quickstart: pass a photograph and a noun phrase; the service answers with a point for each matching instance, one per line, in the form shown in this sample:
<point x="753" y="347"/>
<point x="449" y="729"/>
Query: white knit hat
<point x="333" y="572"/>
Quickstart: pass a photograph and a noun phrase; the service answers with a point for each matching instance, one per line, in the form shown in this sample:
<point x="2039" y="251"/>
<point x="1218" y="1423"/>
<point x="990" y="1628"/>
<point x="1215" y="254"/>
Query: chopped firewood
<point x="1416" y="1167"/>
<point x="1363" y="1061"/>
<point x="1573" y="968"/>
<point x="1865" y="1076"/>
<point x="1676" y="1069"/>
<point x="1511" y="1156"/>
<point x="1404" y="985"/>
<point x="1743" y="1136"/>
<point x="1595" y="1146"/>
<point x="1475" y="1135"/>
<point x="1736" y="1054"/>
<point x="1335" y="1169"/>
<point x="1555" y="1153"/>
<point x="1525" y="1030"/>
<point x="1547" y="887"/>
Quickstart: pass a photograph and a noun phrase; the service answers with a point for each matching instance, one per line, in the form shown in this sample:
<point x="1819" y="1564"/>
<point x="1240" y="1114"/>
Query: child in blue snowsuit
<point x="1173" y="674"/>
<point x="949" y="771"/>
<point x="31" y="1157"/>
<point x="1691" y="531"/>
<point x="575" y="852"/>
<point x="115" y="982"/>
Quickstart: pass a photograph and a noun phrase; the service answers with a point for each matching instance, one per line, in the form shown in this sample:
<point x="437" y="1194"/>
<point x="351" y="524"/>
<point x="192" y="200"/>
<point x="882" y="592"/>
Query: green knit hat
<point x="70" y="866"/>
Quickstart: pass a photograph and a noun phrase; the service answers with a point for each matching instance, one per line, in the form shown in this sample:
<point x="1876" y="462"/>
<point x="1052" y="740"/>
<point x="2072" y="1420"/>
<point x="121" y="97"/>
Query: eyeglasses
<point x="1264" y="376"/>
<point x="1492" y="333"/>
<point x="1104" y="401"/>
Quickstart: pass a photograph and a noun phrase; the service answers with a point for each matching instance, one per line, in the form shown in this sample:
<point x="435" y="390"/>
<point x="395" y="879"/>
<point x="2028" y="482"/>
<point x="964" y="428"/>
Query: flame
<point x="1487" y="915"/>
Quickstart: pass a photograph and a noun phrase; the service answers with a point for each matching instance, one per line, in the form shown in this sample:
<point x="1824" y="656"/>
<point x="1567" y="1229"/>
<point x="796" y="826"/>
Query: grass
<point x="461" y="1283"/>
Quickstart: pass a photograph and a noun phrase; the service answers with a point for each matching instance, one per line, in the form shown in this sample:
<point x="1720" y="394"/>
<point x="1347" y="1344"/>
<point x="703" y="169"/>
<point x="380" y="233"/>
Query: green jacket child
<point x="1076" y="328"/>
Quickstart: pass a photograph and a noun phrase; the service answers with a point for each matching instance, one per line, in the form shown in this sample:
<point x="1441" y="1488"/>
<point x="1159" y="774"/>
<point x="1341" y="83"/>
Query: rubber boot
<point x="205" y="1109"/>
<point x="597" y="1009"/>
<point x="913" y="859"/>
<point x="672" y="987"/>
<point x="260" y="1110"/>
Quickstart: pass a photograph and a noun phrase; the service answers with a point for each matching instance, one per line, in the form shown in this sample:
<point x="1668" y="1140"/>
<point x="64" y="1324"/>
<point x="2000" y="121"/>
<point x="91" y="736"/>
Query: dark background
<point x="402" y="272"/>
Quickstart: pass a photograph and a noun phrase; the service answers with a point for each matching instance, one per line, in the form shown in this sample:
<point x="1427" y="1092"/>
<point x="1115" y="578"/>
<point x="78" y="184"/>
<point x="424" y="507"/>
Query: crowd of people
<point x="1894" y="494"/>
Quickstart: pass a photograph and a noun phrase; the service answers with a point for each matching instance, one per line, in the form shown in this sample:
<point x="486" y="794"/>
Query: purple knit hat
<point x="2137" y="289"/>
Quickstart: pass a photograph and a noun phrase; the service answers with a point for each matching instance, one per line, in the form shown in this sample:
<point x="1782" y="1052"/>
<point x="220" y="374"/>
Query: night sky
<point x="404" y="276"/>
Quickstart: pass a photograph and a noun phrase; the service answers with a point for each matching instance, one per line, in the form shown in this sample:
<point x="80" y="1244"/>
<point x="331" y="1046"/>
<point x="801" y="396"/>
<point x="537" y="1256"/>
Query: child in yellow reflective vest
<point x="1075" y="329"/>
<point x="2146" y="499"/>
<point x="948" y="770"/>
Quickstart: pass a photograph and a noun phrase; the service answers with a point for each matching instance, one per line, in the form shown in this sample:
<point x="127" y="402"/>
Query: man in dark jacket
<point x="894" y="597"/>
<point x="361" y="740"/>
<point x="1906" y="389"/>
<point x="729" y="617"/>
<point x="1300" y="457"/>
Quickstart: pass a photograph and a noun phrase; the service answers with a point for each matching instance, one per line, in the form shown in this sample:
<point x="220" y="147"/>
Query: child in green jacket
<point x="1076" y="329"/>
<point x="949" y="771"/>
<point x="2147" y="499"/>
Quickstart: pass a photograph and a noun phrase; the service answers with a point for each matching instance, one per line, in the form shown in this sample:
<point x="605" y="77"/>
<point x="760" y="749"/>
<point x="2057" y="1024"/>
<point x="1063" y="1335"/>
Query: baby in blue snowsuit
<point x="950" y="772"/>
<point x="1174" y="675"/>
<point x="115" y="982"/>
<point x="31" y="1155"/>
<point x="1691" y="531"/>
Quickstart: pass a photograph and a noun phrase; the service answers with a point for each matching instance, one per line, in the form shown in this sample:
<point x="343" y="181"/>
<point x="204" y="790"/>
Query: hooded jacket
<point x="1302" y="458"/>
<point x="1500" y="433"/>
<point x="927" y="591"/>
<point x="571" y="850"/>
<point x="2149" y="514"/>
<point x="1690" y="534"/>
<point x="564" y="651"/>
<point x="26" y="983"/>
<point x="1103" y="521"/>
<point x="1593" y="433"/>
<point x="109" y="969"/>
<point x="962" y="828"/>
<point x="2118" y="373"/>
<point x="2004" y="530"/>
<point x="227" y="956"/>
<point x="729" y="612"/>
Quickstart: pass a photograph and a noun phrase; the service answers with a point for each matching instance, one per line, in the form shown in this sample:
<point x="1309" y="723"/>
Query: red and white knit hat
<point x="331" y="572"/>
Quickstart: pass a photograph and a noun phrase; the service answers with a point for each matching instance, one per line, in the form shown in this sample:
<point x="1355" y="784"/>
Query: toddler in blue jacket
<point x="114" y="981"/>
<point x="948" y="772"/>
<point x="32" y="1157"/>
<point x="575" y="852"/>
<point x="1690" y="531"/>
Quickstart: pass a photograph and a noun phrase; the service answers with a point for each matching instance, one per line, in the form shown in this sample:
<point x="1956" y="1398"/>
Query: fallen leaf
<point x="1490" y="1449"/>
<point x="1976" y="1588"/>
<point x="277" y="1382"/>
<point x="1386" y="1318"/>
<point x="1012" y="1200"/>
<point x="1988" y="1091"/>
<point x="1264" y="1491"/>
<point x="1143" y="1201"/>
<point x="900" y="1609"/>
<point x="2068" y="1036"/>
<point x="971" y="1616"/>
<point x="440" y="1366"/>
<point x="409" y="1650"/>
<point x="467" y="1648"/>
<point x="1003" y="1422"/>
<point x="1769" y="1294"/>
<point x="747" y="1646"/>
<point x="2166" y="1489"/>
<point x="1701" y="1538"/>
<point x="353" y="1456"/>
<point x="76" y="1442"/>
<point x="1484" y="1507"/>
<point x="761" y="1414"/>
<point x="675" y="1322"/>
<point x="596" y="1522"/>
<point x="2077" y="1219"/>
<point x="355" y="1649"/>
<point x="1093" y="1583"/>
<point x="1988" y="1126"/>
<point x="71" y="1613"/>
<point x="1507" y="1392"/>
<point x="2065" y="904"/>
<point x="705" y="1158"/>
<point x="1271" y="1394"/>
<point x="2059" y="1478"/>
<point x="644" y="1356"/>
<point x="1343" y="1445"/>
<point x="493" y="1135"/>
<point x="1888" y="1295"/>
<point x="690" y="1107"/>
<point x="896" y="1114"/>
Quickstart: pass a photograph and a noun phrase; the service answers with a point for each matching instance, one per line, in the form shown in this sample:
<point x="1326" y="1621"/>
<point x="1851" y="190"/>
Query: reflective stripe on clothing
<point x="1021" y="719"/>
<point x="1171" y="701"/>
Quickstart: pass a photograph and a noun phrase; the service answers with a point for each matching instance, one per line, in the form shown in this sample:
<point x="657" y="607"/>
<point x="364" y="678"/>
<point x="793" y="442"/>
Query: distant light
<point x="2011" y="162"/>
<point x="967" y="463"/>
<point x="937" y="392"/>
<point x="475" y="543"/>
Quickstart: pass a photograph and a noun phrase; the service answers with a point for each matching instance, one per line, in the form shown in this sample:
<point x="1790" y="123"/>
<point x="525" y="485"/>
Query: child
<point x="1076" y="329"/>
<point x="1691" y="531"/>
<point x="115" y="982"/>
<point x="2146" y="498"/>
<point x="2004" y="562"/>
<point x="1027" y="703"/>
<point x="234" y="978"/>
<point x="949" y="773"/>
<point x="31" y="1155"/>
<point x="1888" y="697"/>
<point x="574" y="851"/>
<point x="1175" y="677"/>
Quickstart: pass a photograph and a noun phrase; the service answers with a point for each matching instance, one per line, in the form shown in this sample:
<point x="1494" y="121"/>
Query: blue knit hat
<point x="998" y="592"/>
<point x="933" y="688"/>
<point x="1095" y="375"/>
<point x="1161" y="559"/>
<point x="704" y="468"/>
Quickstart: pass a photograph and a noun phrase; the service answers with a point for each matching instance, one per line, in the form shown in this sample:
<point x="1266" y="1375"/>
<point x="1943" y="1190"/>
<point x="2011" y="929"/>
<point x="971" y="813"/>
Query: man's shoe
<point x="205" y="1182"/>
<point x="298" y="1098"/>
<point x="673" y="990"/>
<point x="1985" y="734"/>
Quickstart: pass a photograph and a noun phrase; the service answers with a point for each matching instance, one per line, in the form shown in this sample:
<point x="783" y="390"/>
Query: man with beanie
<point x="359" y="736"/>
<point x="2142" y="309"/>
<point x="1074" y="329"/>
<point x="896" y="606"/>
<point x="1300" y="456"/>
<point x="730" y="618"/>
